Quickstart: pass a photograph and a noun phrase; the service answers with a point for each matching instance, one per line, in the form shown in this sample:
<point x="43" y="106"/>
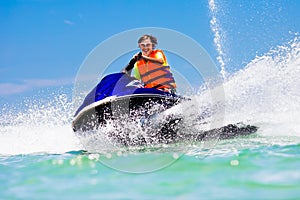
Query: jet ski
<point x="118" y="95"/>
<point x="121" y="97"/>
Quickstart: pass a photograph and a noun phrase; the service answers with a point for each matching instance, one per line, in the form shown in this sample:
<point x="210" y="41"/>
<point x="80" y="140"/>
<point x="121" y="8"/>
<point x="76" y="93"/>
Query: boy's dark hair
<point x="152" y="38"/>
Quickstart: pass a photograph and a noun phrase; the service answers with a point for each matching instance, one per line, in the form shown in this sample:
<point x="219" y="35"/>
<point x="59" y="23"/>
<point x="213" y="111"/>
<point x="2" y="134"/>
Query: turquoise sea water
<point x="262" y="172"/>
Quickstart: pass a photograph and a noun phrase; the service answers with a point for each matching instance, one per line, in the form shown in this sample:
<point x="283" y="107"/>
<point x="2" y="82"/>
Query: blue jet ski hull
<point x="118" y="95"/>
<point x="96" y="114"/>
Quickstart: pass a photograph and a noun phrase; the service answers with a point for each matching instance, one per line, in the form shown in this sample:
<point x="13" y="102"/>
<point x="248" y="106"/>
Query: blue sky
<point x="44" y="42"/>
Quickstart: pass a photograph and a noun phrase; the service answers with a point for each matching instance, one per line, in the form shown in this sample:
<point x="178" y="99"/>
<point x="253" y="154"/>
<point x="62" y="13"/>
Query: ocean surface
<point x="41" y="157"/>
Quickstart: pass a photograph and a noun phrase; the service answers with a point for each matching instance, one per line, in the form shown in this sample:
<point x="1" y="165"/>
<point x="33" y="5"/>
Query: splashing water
<point x="218" y="35"/>
<point x="267" y="91"/>
<point x="38" y="126"/>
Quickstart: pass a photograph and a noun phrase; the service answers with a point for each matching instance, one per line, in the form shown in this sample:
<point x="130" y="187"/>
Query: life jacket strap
<point x="169" y="83"/>
<point x="168" y="76"/>
<point x="162" y="68"/>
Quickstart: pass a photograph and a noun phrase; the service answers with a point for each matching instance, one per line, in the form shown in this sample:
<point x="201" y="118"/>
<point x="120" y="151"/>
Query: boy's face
<point x="146" y="47"/>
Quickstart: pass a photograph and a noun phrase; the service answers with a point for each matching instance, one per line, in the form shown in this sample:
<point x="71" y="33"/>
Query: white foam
<point x="267" y="91"/>
<point x="38" y="126"/>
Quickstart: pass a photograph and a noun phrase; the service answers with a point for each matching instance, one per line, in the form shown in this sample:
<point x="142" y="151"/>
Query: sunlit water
<point x="41" y="157"/>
